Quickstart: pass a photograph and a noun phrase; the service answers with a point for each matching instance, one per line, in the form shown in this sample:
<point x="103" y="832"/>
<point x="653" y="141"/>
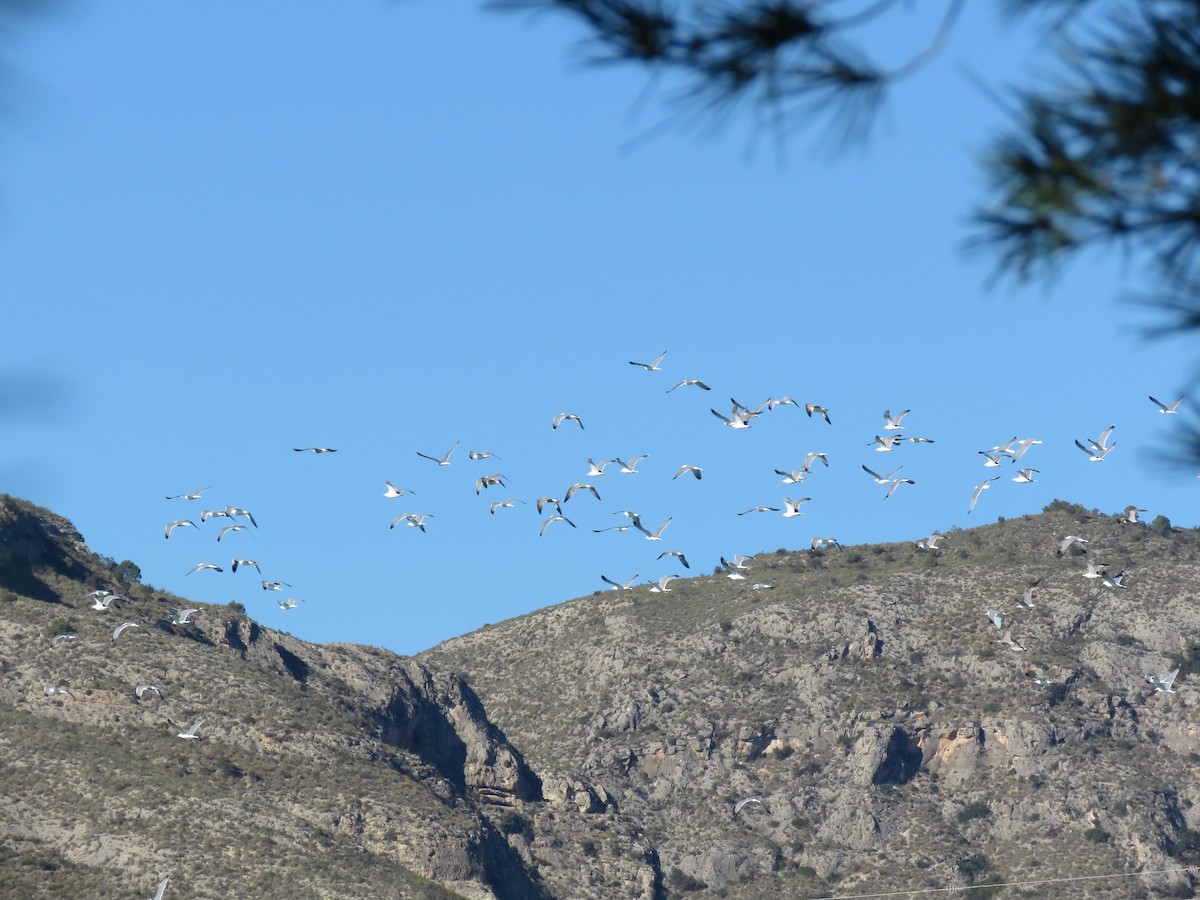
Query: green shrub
<point x="977" y="809"/>
<point x="61" y="625"/>
<point x="238" y="608"/>
<point x="515" y="823"/>
<point x="1097" y="835"/>
<point x="681" y="882"/>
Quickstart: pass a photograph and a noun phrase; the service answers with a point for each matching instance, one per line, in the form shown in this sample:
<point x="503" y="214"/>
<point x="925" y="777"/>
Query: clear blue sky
<point x="237" y="228"/>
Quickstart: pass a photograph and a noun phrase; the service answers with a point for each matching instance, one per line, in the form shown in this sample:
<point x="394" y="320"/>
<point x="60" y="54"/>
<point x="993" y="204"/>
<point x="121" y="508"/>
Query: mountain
<point x="597" y="748"/>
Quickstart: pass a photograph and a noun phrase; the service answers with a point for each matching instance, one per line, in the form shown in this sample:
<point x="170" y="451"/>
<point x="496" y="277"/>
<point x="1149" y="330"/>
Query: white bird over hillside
<point x="162" y="886"/>
<point x="1163" y="683"/>
<point x="620" y="585"/>
<point x="931" y="542"/>
<point x="393" y="491"/>
<point x="1131" y="514"/>
<point x="190" y="734"/>
<point x="142" y="689"/>
<point x="106" y="601"/>
<point x="440" y="460"/>
<point x="63" y="639"/>
<point x="1094" y="570"/>
<point x="194" y="495"/>
<point x="52" y="690"/>
<point x="687" y="381"/>
<point x="979" y="489"/>
<point x="737" y="807"/>
<point x="825" y="543"/>
<point x="661" y="587"/>
<point x="1026" y="600"/>
<point x="1071" y="540"/>
<point x="178" y="524"/>
<point x="122" y="627"/>
<point x="652" y="366"/>
<point x="181" y="617"/>
<point x="563" y="417"/>
<point x="1167" y="408"/>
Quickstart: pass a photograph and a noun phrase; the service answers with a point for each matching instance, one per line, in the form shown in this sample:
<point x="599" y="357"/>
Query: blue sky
<point x="236" y="229"/>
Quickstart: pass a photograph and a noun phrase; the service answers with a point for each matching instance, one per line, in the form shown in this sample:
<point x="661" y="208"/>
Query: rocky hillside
<point x="597" y="749"/>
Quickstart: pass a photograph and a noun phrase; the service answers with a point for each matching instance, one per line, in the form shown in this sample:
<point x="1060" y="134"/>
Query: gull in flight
<point x="246" y="562"/>
<point x="1162" y="683"/>
<point x="51" y="690"/>
<point x="190" y="734"/>
<point x="198" y="566"/>
<point x="886" y="444"/>
<point x="1114" y="581"/>
<point x="931" y="542"/>
<point x="612" y="528"/>
<point x="761" y="586"/>
<point x="655" y="535"/>
<point x="696" y="381"/>
<point x="393" y="491"/>
<point x="811" y="458"/>
<point x="893" y="422"/>
<point x="992" y="460"/>
<point x="979" y="489"/>
<point x="1071" y="540"/>
<point x="920" y="440"/>
<point x="882" y="479"/>
<point x="1025" y="476"/>
<point x="651" y="367"/>
<point x="142" y="689"/>
<point x="194" y="495"/>
<point x="181" y="618"/>
<point x="739" y="562"/>
<point x="221" y="533"/>
<point x="207" y="514"/>
<point x="563" y="416"/>
<point x="759" y="509"/>
<point x="795" y="476"/>
<point x="412" y="520"/>
<point x="825" y="543"/>
<point x="547" y="523"/>
<point x="1026" y="601"/>
<point x="619" y="585"/>
<point x="1023" y="448"/>
<point x="1094" y="570"/>
<point x="105" y="601"/>
<point x="1168" y="409"/>
<point x="120" y="628"/>
<point x="274" y="585"/>
<point x="548" y="501"/>
<point x="596" y="469"/>
<point x="682" y="559"/>
<point x="895" y="483"/>
<point x="576" y="488"/>
<point x="1095" y="454"/>
<point x="504" y="504"/>
<point x="685" y="468"/>
<point x="441" y="461"/>
<point x="481" y="454"/>
<point x="63" y="638"/>
<point x="173" y="525"/>
<point x="771" y="402"/>
<point x="997" y="619"/>
<point x="314" y="449"/>
<point x="630" y="468"/>
<point x="1131" y="514"/>
<point x="290" y="602"/>
<point x="810" y="408"/>
<point x="793" y="507"/>
<point x="1012" y="642"/>
<point x="737" y="807"/>
<point x="162" y="886"/>
<point x="489" y="480"/>
<point x="735" y="419"/>
<point x="233" y="511"/>
<point x="661" y="587"/>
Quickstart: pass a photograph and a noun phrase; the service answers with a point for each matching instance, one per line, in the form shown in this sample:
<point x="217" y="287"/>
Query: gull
<point x="290" y="602"/>
<point x="1094" y="570"/>
<point x="576" y="488"/>
<point x="99" y="592"/>
<point x="793" y="507"/>
<point x="733" y="574"/>
<point x="1114" y="581"/>
<point x="812" y="457"/>
<point x="181" y="618"/>
<point x="696" y="381"/>
<point x="120" y="628"/>
<point x="412" y="520"/>
<point x="181" y="522"/>
<point x="979" y="489"/>
<point x="596" y="469"/>
<point x="825" y="543"/>
<point x="504" y="504"/>
<point x="612" y="528"/>
<point x="274" y="585"/>
<point x="1102" y="443"/>
<point x="246" y="562"/>
<point x="661" y="587"/>
<point x="685" y="468"/>
<point x="194" y="495"/>
<point x="655" y="535"/>
<point x="51" y="690"/>
<point x="735" y="419"/>
<point x="1094" y="454"/>
<point x="441" y="461"/>
<point x="1040" y="680"/>
<point x="992" y="461"/>
<point x="141" y="689"/>
<point x="233" y="511"/>
<point x="1071" y="540"/>
<point x="761" y="586"/>
<point x="620" y="586"/>
<point x="920" y="440"/>
<point x="489" y="480"/>
<point x="796" y="476"/>
<point x="1012" y="642"/>
<point x="190" y="734"/>
<point x="931" y="542"/>
<point x="759" y="509"/>
<point x="221" y="533"/>
<point x="198" y="566"/>
<point x="207" y="514"/>
<point x="886" y="444"/>
<point x="1162" y="683"/>
<point x="682" y="559"/>
<point x="548" y="501"/>
<point x="1168" y="409"/>
<point x="1026" y="600"/>
<point x="737" y="807"/>
<point x="106" y="601"/>
<point x="810" y="408"/>
<point x="1025" y="476"/>
<point x="630" y="468"/>
<point x="393" y="491"/>
<point x="651" y="367"/>
<point x="314" y="449"/>
<point x="895" y="483"/>
<point x="893" y="422"/>
<point x="882" y="479"/>
<point x="481" y="454"/>
<point x="546" y="524"/>
<point x="1003" y="449"/>
<point x="63" y="638"/>
<point x="997" y="619"/>
<point x="563" y="416"/>
<point x="771" y="402"/>
<point x="1023" y="448"/>
<point x="162" y="886"/>
<point x="739" y="561"/>
<point x="1131" y="514"/>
